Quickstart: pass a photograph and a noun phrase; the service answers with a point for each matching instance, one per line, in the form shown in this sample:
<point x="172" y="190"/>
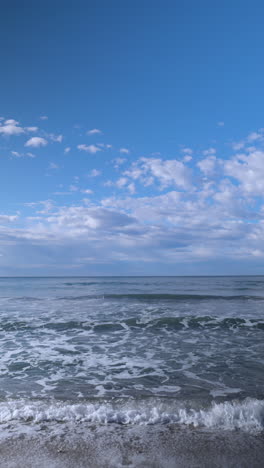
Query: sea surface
<point x="123" y="359"/>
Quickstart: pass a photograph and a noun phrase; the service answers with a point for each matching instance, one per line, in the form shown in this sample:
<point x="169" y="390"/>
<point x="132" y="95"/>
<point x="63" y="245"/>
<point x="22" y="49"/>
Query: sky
<point x="131" y="137"/>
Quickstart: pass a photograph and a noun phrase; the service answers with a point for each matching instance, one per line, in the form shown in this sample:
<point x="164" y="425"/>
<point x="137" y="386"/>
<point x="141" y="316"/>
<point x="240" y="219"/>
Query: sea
<point x="132" y="372"/>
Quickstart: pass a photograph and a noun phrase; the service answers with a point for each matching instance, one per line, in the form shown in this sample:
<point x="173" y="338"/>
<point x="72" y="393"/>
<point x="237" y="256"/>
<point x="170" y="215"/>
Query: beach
<point x="149" y="447"/>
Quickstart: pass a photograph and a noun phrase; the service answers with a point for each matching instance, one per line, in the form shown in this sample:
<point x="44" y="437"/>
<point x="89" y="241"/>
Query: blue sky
<point x="131" y="138"/>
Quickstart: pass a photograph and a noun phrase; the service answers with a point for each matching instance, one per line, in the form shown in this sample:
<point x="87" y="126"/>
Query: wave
<point x="161" y="296"/>
<point x="197" y="322"/>
<point x="176" y="323"/>
<point x="247" y="415"/>
<point x="140" y="297"/>
<point x="23" y="298"/>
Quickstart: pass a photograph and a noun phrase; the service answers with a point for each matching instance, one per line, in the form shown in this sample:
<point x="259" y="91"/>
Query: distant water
<point x="181" y="351"/>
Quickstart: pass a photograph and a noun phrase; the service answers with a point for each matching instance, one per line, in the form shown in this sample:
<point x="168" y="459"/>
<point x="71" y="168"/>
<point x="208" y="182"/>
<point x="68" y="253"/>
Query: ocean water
<point x="130" y="358"/>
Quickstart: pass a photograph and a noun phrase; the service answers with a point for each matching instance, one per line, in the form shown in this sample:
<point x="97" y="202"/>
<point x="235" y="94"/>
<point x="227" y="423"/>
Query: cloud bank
<point x="184" y="214"/>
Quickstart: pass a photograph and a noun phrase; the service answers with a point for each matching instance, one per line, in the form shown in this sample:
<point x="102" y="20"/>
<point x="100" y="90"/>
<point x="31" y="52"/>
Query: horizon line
<point x="131" y="276"/>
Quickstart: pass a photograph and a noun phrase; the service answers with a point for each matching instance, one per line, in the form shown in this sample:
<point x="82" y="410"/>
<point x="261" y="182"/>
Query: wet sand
<point x="139" y="447"/>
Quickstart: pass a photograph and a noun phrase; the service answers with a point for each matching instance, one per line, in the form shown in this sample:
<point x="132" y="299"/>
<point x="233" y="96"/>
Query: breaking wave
<point x="247" y="415"/>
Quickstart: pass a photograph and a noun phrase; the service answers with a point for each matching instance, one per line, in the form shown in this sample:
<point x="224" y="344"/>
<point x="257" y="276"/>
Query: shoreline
<point x="170" y="446"/>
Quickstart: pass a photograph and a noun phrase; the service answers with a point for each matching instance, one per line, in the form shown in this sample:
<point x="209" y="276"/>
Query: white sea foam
<point x="247" y="415"/>
<point x="147" y="338"/>
<point x="224" y="391"/>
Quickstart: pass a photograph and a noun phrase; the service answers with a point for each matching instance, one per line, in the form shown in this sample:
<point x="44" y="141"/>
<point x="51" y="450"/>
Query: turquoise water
<point x="132" y="350"/>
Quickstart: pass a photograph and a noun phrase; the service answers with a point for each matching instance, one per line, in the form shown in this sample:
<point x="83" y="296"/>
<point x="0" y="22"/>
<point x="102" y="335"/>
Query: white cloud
<point x="43" y="117"/>
<point x="257" y="253"/>
<point x="169" y="228"/>
<point x="250" y="149"/>
<point x="254" y="136"/>
<point x="36" y="142"/>
<point x="92" y="149"/>
<point x="11" y="122"/>
<point x="238" y="145"/>
<point x="124" y="151"/>
<point x="31" y="129"/>
<point x="187" y="151"/>
<point x="94" y="131"/>
<point x="170" y="172"/>
<point x="120" y="183"/>
<point x="208" y="165"/>
<point x="47" y="206"/>
<point x="187" y="158"/>
<point x="55" y="138"/>
<point x="209" y="152"/>
<point x="131" y="188"/>
<point x="248" y="170"/>
<point x="227" y="195"/>
<point x="88" y="191"/>
<point x="67" y="149"/>
<point x="165" y="172"/>
<point x="195" y="219"/>
<point x="94" y="173"/>
<point x="21" y="155"/>
<point x="104" y="145"/>
<point x="53" y="165"/>
<point x="8" y="218"/>
<point x="220" y="124"/>
<point x="78" y="219"/>
<point x="118" y="161"/>
<point x="11" y="127"/>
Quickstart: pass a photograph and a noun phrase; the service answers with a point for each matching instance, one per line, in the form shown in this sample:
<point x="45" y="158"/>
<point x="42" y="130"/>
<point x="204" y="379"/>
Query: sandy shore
<point x="140" y="447"/>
